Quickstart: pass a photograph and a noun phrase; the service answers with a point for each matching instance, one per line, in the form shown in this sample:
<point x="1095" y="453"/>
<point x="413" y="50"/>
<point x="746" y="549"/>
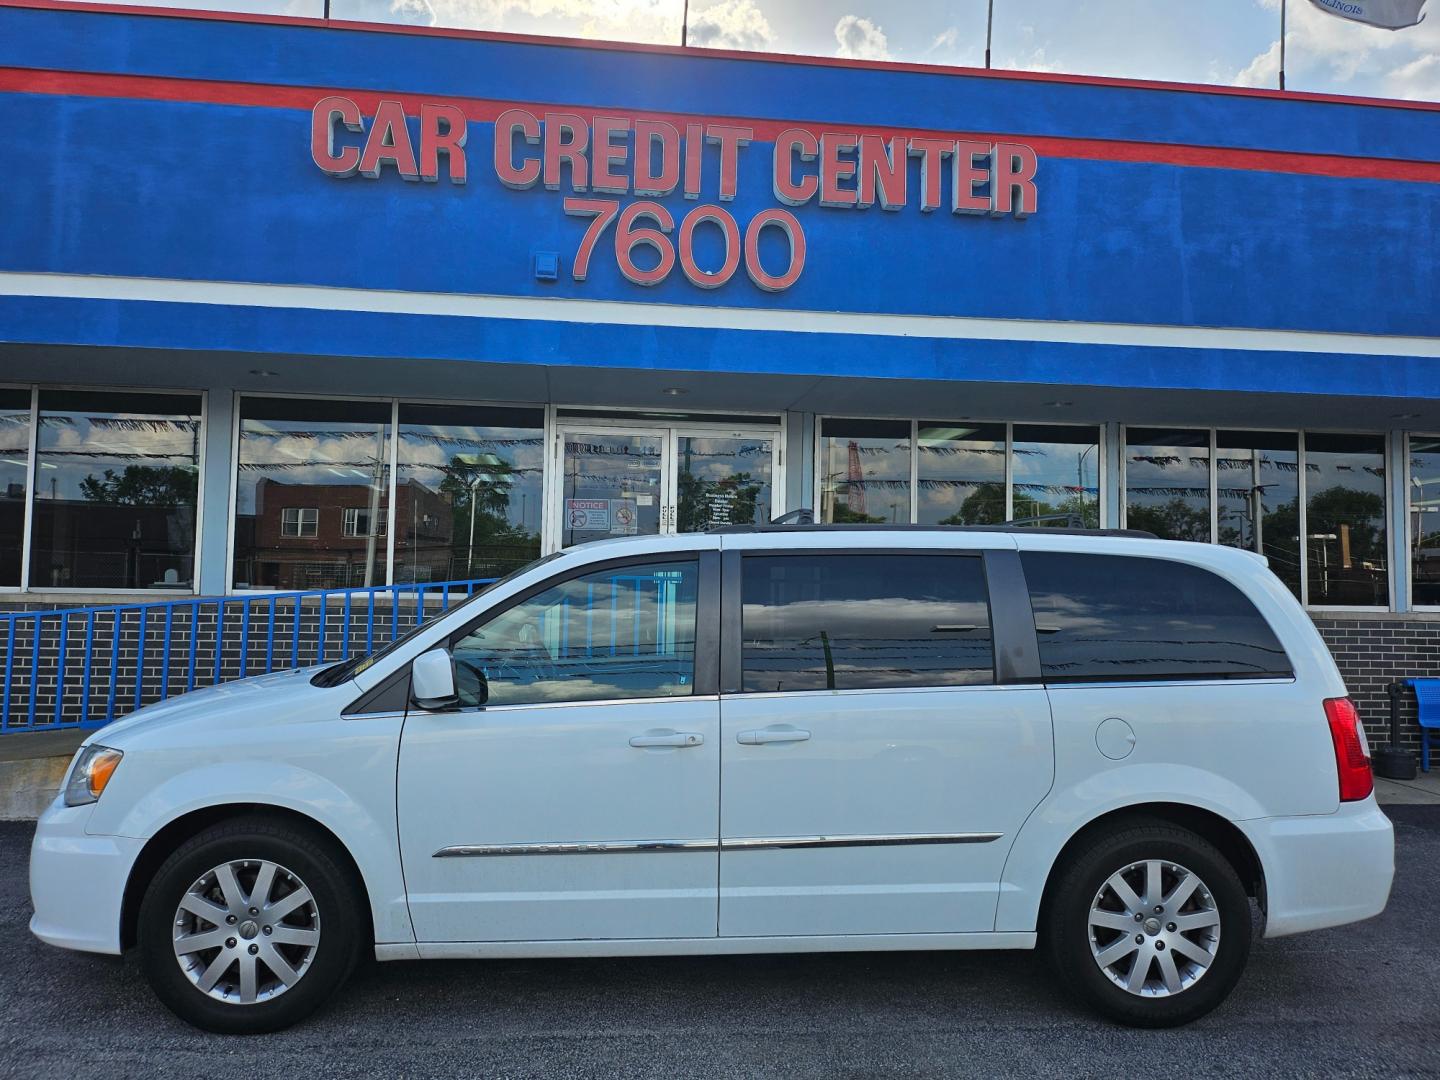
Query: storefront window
<point x="302" y="464"/>
<point x="1055" y="472"/>
<point x="14" y="477"/>
<point x="865" y="471"/>
<point x="1345" y="538"/>
<point x="1167" y="483"/>
<point x="1257" y="489"/>
<point x="117" y="477"/>
<point x="1424" y="511"/>
<point x="960" y="473"/>
<point x="467" y="494"/>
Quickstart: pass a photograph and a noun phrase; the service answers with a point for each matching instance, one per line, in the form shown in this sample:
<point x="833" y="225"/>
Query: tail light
<point x="1351" y="760"/>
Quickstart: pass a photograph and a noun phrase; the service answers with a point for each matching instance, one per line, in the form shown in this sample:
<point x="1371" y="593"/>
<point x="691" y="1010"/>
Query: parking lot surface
<point x="1357" y="1001"/>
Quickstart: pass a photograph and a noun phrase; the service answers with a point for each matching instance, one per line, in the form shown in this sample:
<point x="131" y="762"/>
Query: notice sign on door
<point x="588" y="515"/>
<point x="615" y="516"/>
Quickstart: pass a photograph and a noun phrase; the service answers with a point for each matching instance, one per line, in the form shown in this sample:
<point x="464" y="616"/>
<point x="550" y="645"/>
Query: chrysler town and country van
<point x="1116" y="749"/>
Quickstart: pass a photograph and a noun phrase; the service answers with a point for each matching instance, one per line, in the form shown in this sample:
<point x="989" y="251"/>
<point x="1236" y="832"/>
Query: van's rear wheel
<point x="1148" y="925"/>
<point x="249" y="926"/>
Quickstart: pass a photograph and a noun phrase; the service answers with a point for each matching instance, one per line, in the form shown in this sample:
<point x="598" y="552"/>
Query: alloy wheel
<point x="1154" y="927"/>
<point x="246" y="931"/>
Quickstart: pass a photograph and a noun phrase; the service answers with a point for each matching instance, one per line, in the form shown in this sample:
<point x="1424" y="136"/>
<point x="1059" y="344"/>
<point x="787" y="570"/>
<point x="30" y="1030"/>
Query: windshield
<point x="335" y="674"/>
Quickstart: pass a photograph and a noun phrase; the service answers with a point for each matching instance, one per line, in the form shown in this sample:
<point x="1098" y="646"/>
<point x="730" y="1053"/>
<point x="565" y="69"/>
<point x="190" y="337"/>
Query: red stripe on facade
<point x="485" y="110"/>
<point x="721" y="54"/>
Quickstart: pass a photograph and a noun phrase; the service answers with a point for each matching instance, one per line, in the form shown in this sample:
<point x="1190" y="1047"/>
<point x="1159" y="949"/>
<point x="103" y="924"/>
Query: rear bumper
<point x="1325" y="869"/>
<point x="77" y="881"/>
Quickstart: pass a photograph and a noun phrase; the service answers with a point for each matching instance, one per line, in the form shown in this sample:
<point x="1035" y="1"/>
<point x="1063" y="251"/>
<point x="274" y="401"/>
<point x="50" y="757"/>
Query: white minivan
<point x="753" y="740"/>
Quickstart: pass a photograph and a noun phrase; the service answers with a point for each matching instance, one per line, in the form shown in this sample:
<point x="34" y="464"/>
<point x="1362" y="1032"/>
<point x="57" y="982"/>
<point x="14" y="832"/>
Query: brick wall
<point x="1372" y="651"/>
<point x="94" y="676"/>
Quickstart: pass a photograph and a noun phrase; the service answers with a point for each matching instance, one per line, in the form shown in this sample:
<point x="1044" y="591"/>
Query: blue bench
<point x="1427" y="696"/>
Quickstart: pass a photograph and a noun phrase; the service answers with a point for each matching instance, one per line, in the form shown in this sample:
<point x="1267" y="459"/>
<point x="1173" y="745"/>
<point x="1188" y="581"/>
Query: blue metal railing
<point x="85" y="666"/>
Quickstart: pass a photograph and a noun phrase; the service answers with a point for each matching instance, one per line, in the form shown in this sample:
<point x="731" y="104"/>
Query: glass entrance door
<point x="723" y="478"/>
<point x="611" y="484"/>
<point x="646" y="479"/>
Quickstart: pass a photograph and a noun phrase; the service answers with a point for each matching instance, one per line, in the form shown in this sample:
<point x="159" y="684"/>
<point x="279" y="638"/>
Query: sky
<point x="1228" y="42"/>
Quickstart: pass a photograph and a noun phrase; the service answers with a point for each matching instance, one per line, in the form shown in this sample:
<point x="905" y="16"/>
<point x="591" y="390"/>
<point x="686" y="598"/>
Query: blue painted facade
<point x="183" y="189"/>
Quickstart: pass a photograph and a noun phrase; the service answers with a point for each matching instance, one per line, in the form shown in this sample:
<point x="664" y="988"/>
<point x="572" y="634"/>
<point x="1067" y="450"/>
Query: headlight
<point x="92" y="771"/>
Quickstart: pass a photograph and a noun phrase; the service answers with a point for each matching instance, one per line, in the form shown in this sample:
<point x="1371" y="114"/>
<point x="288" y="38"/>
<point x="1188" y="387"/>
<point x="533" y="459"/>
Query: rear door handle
<point x="674" y="738"/>
<point x="762" y="736"/>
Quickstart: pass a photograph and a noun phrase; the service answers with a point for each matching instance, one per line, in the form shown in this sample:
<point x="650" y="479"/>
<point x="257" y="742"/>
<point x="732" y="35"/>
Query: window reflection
<point x="1055" y="472"/>
<point x="302" y="464"/>
<point x="116" y="482"/>
<point x="865" y="471"/>
<point x="613" y="634"/>
<point x="14" y="474"/>
<point x="961" y="473"/>
<point x="1257" y="487"/>
<point x="1345" y="538"/>
<point x="1167" y="483"/>
<point x="850" y="622"/>
<point x="1424" y="510"/>
<point x="467" y="495"/>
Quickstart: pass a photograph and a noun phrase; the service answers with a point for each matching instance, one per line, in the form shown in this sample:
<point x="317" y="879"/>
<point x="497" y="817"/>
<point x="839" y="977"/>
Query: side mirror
<point x="432" y="680"/>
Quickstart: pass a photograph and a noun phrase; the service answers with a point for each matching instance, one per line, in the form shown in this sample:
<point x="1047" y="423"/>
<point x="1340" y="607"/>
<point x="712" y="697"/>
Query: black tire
<point x="312" y="859"/>
<point x="1066" y="933"/>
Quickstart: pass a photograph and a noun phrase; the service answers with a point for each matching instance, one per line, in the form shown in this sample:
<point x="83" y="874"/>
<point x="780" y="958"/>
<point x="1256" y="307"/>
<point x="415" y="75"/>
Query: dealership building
<point x="295" y="305"/>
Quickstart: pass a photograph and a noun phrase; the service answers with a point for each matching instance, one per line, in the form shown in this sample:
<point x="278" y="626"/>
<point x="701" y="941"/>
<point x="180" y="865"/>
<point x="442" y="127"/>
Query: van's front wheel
<point x="1148" y="925"/>
<point x="249" y="926"/>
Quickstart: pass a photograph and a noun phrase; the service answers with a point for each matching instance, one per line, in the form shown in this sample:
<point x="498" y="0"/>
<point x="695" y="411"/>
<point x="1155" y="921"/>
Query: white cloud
<point x="648" y="21"/>
<point x="1325" y="51"/>
<point x="946" y="39"/>
<point x="860" y="39"/>
<point x="731" y="24"/>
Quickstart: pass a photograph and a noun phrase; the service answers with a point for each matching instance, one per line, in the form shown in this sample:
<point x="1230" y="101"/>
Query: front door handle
<point x="762" y="736"/>
<point x="673" y="738"/>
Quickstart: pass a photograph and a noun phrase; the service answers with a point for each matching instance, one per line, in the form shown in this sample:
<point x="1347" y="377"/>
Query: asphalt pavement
<point x="1357" y="1001"/>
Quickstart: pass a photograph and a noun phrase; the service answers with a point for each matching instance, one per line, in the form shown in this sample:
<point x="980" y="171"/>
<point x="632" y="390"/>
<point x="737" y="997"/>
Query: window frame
<point x="393" y="461"/>
<point x="35" y="389"/>
<point x="1158" y="680"/>
<point x="707" y="624"/>
<point x="299" y="512"/>
<point x="1014" y="649"/>
<point x="1102" y="455"/>
<point x="1303" y="496"/>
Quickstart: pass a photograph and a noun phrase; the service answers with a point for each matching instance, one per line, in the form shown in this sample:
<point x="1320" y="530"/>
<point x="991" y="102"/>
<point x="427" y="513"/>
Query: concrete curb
<point x="32" y="767"/>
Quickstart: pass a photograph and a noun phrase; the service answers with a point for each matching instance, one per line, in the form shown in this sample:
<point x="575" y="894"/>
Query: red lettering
<point x="786" y="223"/>
<point x="389" y="142"/>
<point x="647" y="134"/>
<point x="566" y="139"/>
<point x="1012" y="179"/>
<point x="965" y="174"/>
<point x="932" y="154"/>
<point x="607" y="153"/>
<point x="789" y="145"/>
<point x="507" y="125"/>
<point x="730" y="140"/>
<point x="450" y="141"/>
<point x="323" y="118"/>
<point x="694" y="158"/>
<point x="834" y="168"/>
<point x="883" y="171"/>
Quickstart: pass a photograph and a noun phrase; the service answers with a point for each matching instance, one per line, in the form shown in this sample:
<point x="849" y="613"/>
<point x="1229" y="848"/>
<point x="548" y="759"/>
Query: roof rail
<point x="1008" y="527"/>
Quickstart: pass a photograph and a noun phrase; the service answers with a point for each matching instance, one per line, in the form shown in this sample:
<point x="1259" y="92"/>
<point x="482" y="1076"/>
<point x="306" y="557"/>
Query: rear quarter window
<point x="1108" y="618"/>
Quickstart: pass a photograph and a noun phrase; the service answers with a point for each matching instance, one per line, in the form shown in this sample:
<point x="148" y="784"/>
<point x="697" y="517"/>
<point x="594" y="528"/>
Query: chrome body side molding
<point x="736" y="843"/>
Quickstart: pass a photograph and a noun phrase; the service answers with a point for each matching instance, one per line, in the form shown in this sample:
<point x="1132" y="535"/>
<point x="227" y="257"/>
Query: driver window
<point x="627" y="632"/>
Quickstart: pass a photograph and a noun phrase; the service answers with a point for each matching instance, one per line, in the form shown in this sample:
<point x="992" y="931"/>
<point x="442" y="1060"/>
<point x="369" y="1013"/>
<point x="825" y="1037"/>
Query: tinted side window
<point x="850" y="622"/>
<point x="620" y="633"/>
<point x="1107" y="618"/>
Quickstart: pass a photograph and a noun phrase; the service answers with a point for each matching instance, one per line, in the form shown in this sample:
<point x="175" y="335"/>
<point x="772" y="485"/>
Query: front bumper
<point x="77" y="881"/>
<point x="1324" y="869"/>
